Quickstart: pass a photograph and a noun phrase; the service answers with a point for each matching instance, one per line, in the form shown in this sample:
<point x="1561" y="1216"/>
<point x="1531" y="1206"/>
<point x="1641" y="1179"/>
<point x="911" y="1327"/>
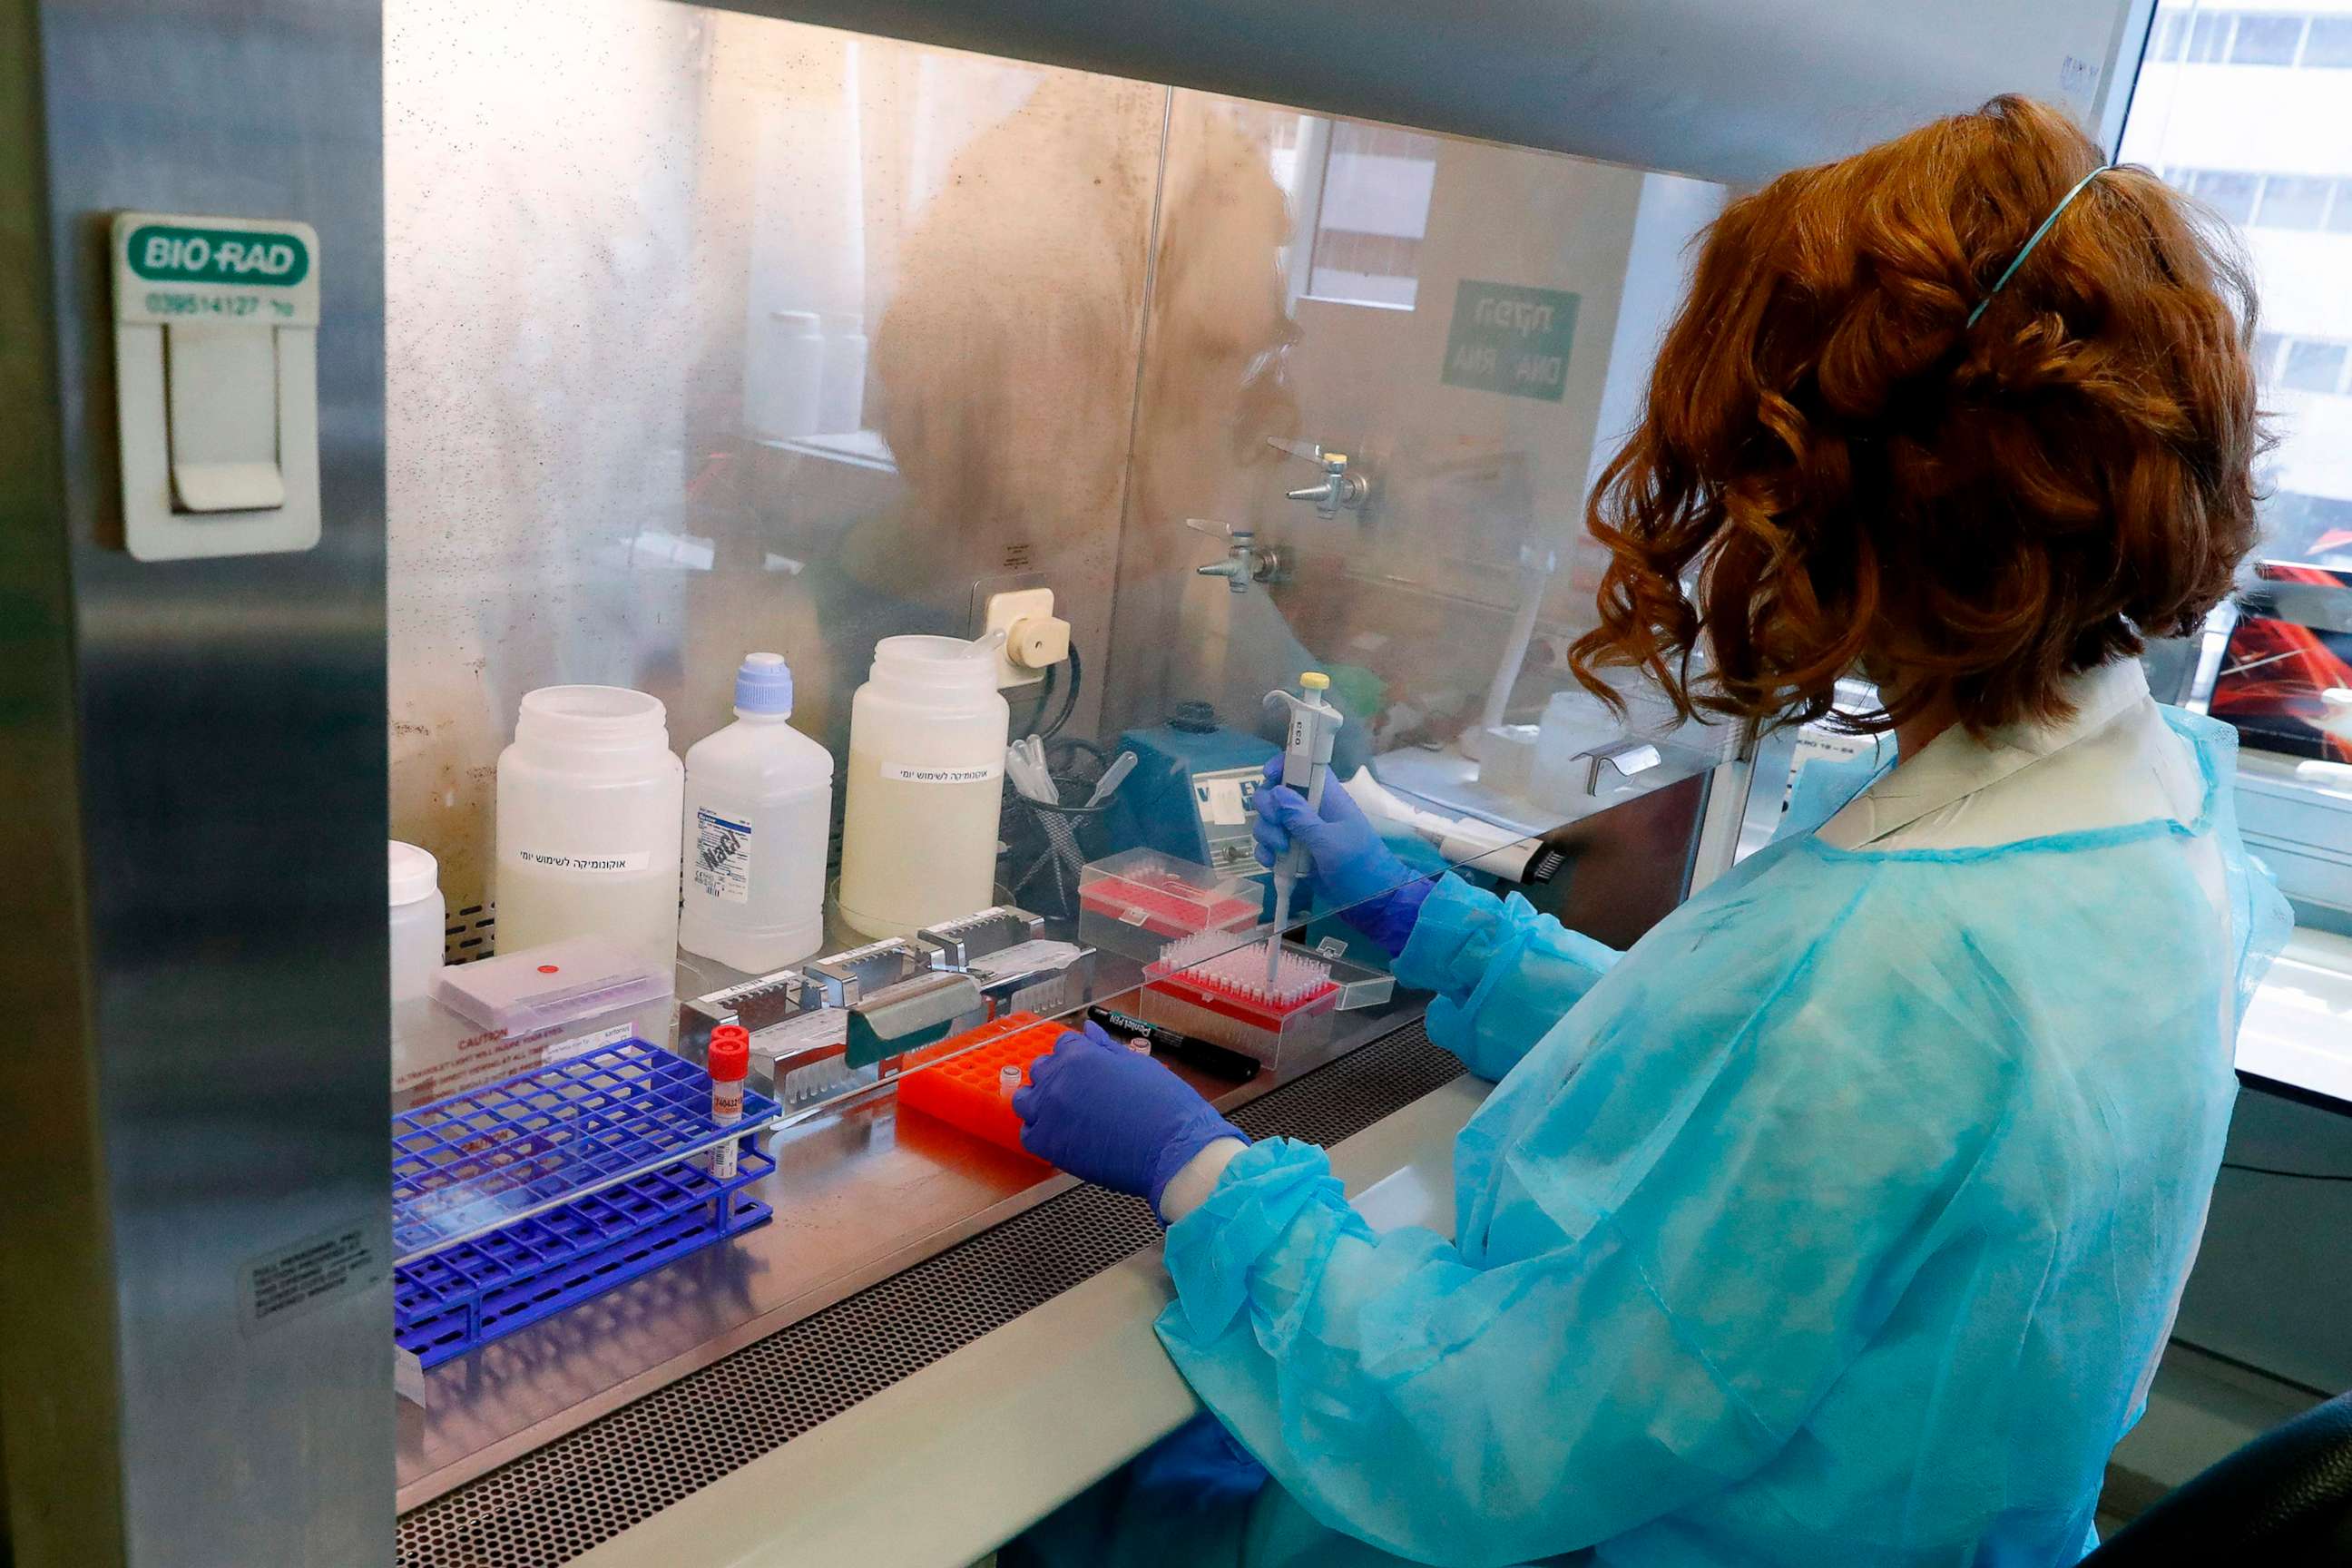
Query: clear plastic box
<point x="1212" y="1004"/>
<point x="554" y="985"/>
<point x="502" y="1016"/>
<point x="1137" y="901"/>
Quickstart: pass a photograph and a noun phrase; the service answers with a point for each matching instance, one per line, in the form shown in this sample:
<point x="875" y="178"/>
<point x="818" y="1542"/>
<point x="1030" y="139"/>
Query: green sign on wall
<point x="1510" y="339"/>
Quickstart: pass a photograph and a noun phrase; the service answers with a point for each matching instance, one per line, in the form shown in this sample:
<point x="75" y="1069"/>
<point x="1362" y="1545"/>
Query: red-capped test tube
<point x="731" y="1063"/>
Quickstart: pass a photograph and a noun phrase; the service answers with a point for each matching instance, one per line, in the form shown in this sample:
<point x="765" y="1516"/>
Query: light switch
<point x="223" y="401"/>
<point x="216" y="384"/>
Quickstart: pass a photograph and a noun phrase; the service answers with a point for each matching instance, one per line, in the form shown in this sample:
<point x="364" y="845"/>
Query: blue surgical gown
<point x="1838" y="1221"/>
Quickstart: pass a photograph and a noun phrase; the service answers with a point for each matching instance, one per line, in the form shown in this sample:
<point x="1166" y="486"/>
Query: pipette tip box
<point x="1134" y="901"/>
<point x="1215" y="989"/>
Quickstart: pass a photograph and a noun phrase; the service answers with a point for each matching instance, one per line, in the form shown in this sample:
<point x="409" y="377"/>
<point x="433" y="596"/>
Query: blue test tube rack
<point x="517" y="1200"/>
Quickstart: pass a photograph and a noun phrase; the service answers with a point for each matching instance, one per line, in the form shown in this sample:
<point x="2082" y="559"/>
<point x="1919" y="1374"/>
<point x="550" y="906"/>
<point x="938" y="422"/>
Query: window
<point x="2261" y="130"/>
<point x="2314" y="366"/>
<point x="2293" y="200"/>
<point x="2301" y="363"/>
<point x="2330" y="44"/>
<point x="2309" y="202"/>
<point x="2266" y="40"/>
<point x="2170" y="26"/>
<point x="2230" y="194"/>
<point x="2209" y="37"/>
<point x="1371" y="216"/>
<point x="2267" y="355"/>
<point x="2313" y="40"/>
<point x="2313" y="528"/>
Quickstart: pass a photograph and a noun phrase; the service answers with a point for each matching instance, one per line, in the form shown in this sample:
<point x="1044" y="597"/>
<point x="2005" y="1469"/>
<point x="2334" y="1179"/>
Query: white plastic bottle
<point x="758" y="810"/>
<point x="588" y="797"/>
<point x="927" y="738"/>
<point x="784" y="377"/>
<point x="419" y="920"/>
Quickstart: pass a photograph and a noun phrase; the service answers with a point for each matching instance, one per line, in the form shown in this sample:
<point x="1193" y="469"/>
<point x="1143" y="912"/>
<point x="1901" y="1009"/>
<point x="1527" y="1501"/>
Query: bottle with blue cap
<point x="758" y="808"/>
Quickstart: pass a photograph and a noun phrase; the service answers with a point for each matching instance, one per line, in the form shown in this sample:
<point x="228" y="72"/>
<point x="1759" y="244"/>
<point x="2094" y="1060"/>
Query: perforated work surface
<point x="556" y="1503"/>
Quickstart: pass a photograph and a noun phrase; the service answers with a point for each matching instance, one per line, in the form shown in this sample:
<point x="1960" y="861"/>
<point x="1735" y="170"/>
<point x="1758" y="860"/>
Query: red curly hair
<point x="1833" y="469"/>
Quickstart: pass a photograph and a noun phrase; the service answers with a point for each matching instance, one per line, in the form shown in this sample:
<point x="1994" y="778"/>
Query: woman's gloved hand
<point x="1114" y="1117"/>
<point x="1355" y="871"/>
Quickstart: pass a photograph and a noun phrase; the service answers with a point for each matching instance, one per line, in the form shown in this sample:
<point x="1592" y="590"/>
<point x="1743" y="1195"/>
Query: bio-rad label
<point x="908" y="773"/>
<point x="640" y="861"/>
<point x="173" y="270"/>
<point x="722" y="857"/>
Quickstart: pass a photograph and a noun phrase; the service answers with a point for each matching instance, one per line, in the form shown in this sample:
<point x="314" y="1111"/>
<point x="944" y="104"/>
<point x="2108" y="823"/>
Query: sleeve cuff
<point x="1212" y="1250"/>
<point x="1454" y="937"/>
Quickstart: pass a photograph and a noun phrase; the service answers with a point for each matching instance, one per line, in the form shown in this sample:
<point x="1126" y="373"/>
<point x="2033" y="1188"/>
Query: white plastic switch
<point x="1036" y="639"/>
<point x="216" y="384"/>
<point x="223" y="403"/>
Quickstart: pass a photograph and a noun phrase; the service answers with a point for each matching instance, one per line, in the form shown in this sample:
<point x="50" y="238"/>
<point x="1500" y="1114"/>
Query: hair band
<point x="2047" y="224"/>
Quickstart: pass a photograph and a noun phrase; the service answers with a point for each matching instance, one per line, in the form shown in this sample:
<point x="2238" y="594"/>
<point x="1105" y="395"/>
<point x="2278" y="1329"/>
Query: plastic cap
<point x="764" y="684"/>
<point x="1315" y="680"/>
<point x="731" y="1053"/>
<point x="414" y="873"/>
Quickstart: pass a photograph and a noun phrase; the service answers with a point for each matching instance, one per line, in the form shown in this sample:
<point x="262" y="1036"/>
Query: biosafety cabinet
<point x="367" y="366"/>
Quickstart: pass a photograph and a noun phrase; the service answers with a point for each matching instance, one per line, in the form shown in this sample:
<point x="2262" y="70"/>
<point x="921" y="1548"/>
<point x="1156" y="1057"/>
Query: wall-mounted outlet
<point x="1036" y="639"/>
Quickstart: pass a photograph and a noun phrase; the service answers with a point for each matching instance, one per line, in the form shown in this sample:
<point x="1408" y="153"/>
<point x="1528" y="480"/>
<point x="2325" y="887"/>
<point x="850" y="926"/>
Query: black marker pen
<point x="1207" y="1056"/>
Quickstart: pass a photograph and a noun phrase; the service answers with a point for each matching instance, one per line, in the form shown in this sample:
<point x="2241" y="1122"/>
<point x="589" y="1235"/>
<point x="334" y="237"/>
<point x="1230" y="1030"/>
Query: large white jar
<point x="927" y="738"/>
<point x="589" y="796"/>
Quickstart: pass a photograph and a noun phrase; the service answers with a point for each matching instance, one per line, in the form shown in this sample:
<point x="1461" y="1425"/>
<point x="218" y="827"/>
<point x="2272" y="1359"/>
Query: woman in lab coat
<point x="1842" y="1219"/>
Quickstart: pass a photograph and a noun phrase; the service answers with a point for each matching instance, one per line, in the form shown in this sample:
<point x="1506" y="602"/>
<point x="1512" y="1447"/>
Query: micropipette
<point x="1306" y="765"/>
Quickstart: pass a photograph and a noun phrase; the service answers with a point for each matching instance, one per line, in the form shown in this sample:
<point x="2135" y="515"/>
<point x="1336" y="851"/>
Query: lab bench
<point x="930" y="1322"/>
<point x="859" y="1193"/>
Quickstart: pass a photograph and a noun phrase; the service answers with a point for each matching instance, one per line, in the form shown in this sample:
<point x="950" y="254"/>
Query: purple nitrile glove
<point x="1113" y="1117"/>
<point x="1374" y="892"/>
